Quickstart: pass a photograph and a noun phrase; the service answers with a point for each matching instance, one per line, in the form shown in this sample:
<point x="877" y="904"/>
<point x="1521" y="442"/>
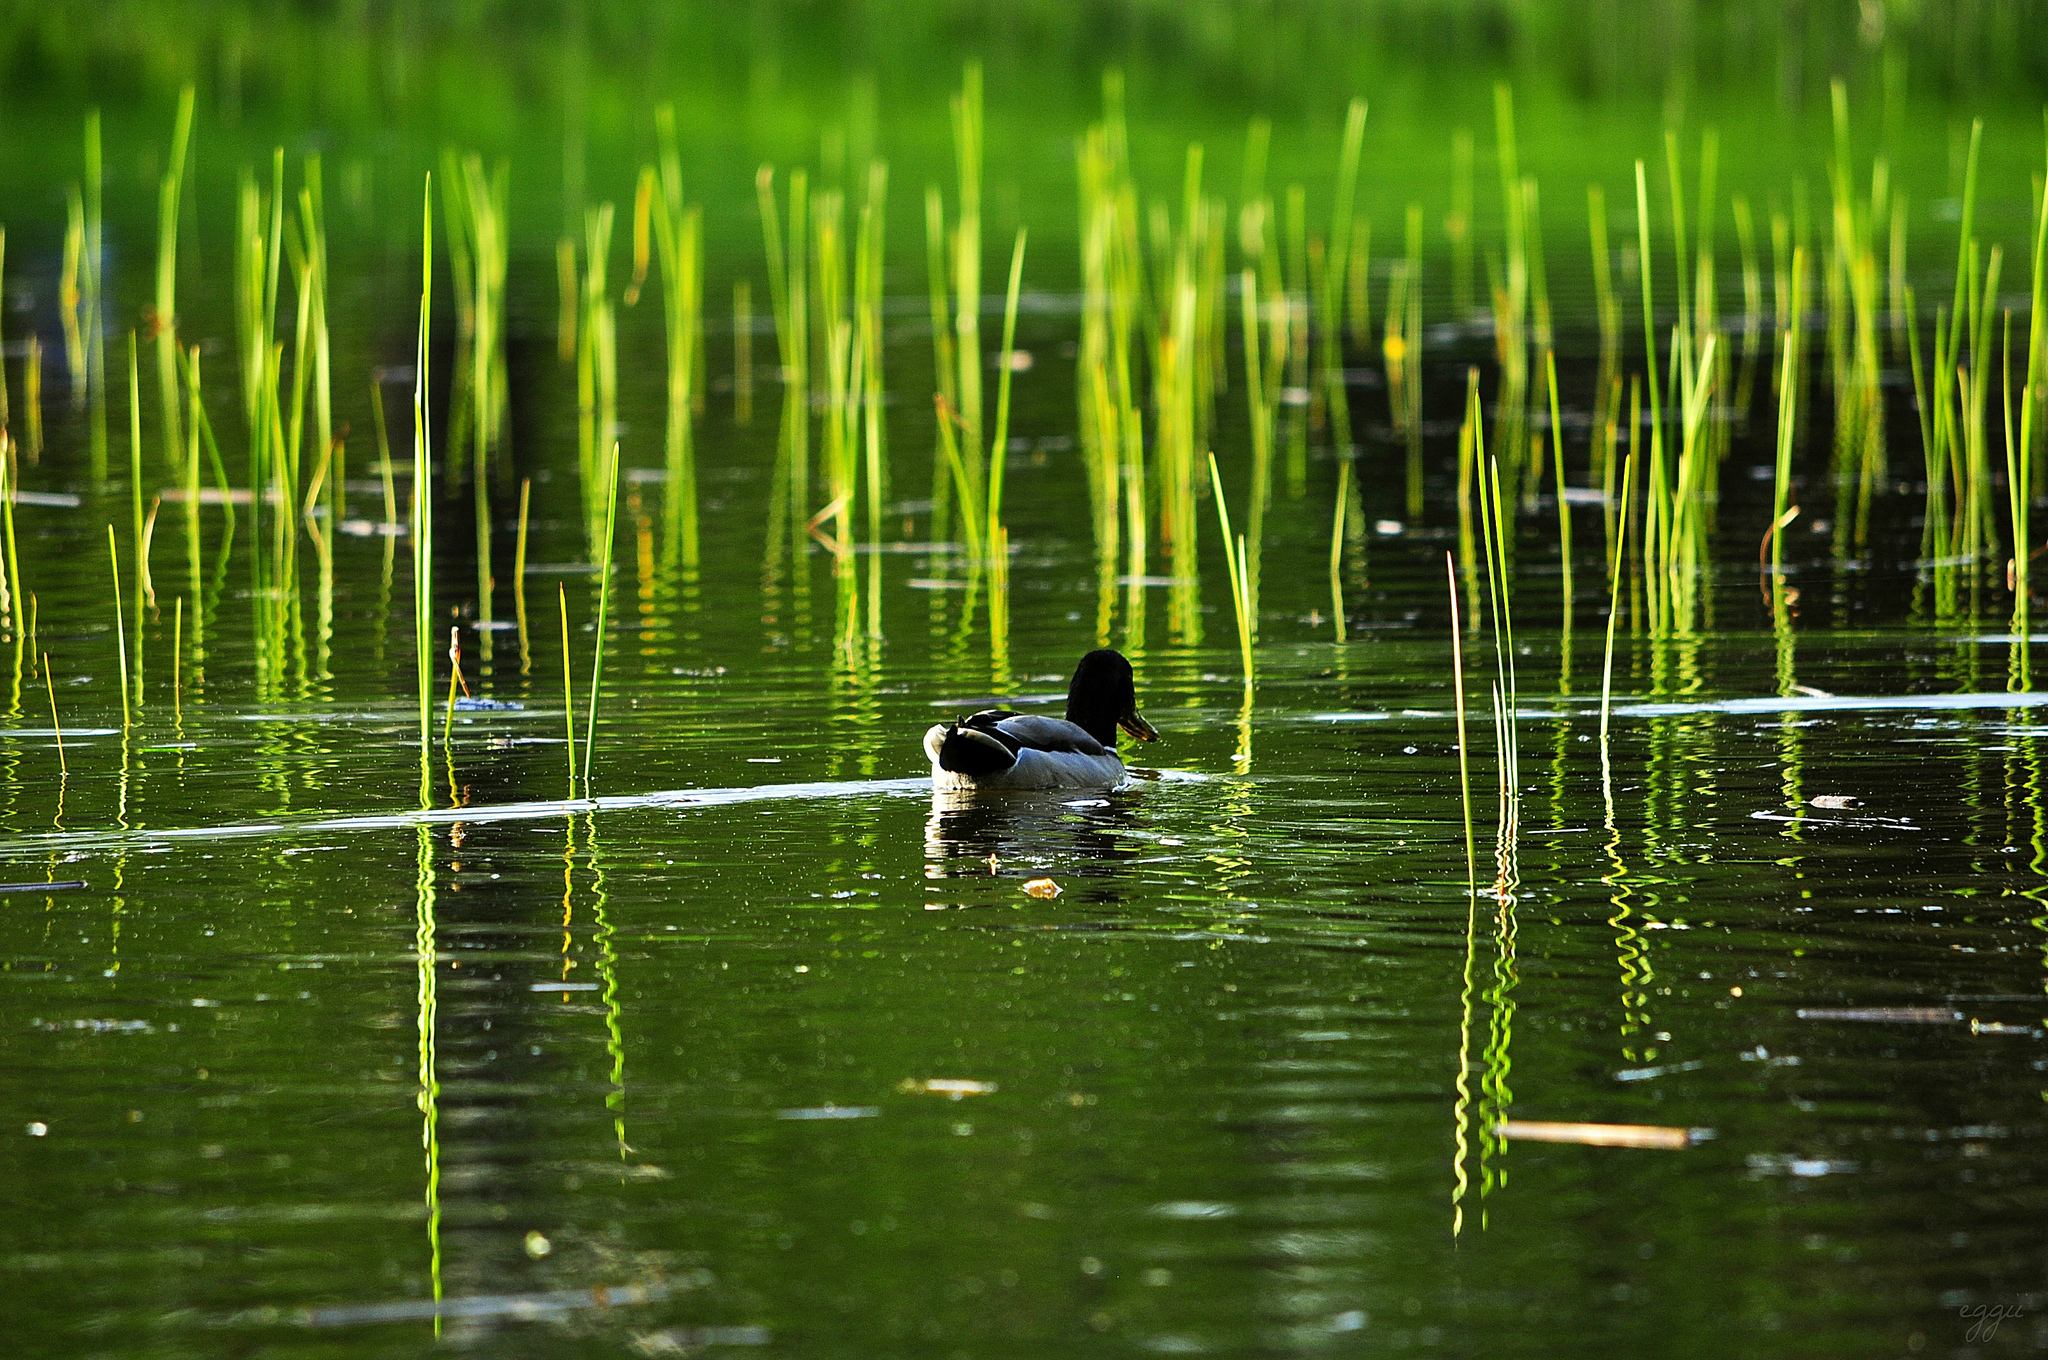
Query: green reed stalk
<point x="32" y="396"/>
<point x="423" y="491"/>
<point x="1261" y="378"/>
<point x="2018" y="491"/>
<point x="454" y="683"/>
<point x="1458" y="689"/>
<point x="568" y="692"/>
<point x="73" y="284"/>
<point x="169" y="194"/>
<point x="139" y="539"/>
<point x="743" y="352"/>
<point x="120" y="625"/>
<point x="5" y="414"/>
<point x="92" y="298"/>
<point x="1234" y="561"/>
<point x="870" y="256"/>
<point x="1616" y="560"/>
<point x="1329" y="298"/>
<point x="1337" y="547"/>
<point x="1564" y="509"/>
<point x="178" y="662"/>
<point x="569" y="300"/>
<point x="9" y="473"/>
<point x="1606" y="305"/>
<point x="50" y="687"/>
<point x="966" y="261"/>
<point x="999" y="448"/>
<point x="842" y="370"/>
<point x="1782" y="510"/>
<point x="604" y="600"/>
<point x="519" y="569"/>
<point x="679" y="237"/>
<point x="597" y="360"/>
<point x="480" y="204"/>
<point x="1403" y="352"/>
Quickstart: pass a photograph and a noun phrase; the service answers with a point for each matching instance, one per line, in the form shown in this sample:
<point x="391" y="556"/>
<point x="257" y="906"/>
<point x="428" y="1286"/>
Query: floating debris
<point x="1603" y="1135"/>
<point x="831" y="1112"/>
<point x="1998" y="1027"/>
<point x="65" y="886"/>
<point x="1910" y="1015"/>
<point x="474" y="705"/>
<point x="551" y="1304"/>
<point x="681" y="1340"/>
<point x="1645" y="1073"/>
<point x="537" y="1244"/>
<point x="1835" y="801"/>
<point x="1782" y="1164"/>
<point x="957" y="1088"/>
<point x="1042" y="887"/>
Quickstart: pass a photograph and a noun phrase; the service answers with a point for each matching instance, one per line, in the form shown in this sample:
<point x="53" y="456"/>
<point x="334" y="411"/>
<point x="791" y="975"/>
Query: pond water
<point x="1368" y="1016"/>
<point x="770" y="1049"/>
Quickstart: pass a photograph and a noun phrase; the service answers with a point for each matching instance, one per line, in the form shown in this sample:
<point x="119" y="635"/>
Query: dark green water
<point x="292" y="1063"/>
<point x="299" y="1067"/>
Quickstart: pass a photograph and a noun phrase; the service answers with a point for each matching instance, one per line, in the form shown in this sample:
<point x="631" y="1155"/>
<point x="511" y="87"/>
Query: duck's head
<point x="1103" y="696"/>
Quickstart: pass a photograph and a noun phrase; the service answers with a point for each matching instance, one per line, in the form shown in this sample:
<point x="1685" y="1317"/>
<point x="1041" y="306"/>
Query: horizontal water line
<point x="488" y="812"/>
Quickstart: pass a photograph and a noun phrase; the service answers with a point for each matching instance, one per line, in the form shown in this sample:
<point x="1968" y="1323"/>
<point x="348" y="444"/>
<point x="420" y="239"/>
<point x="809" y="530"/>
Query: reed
<point x="6" y="415"/>
<point x="869" y="295"/>
<point x="120" y="627"/>
<point x="998" y="451"/>
<point x="477" y="205"/>
<point x="597" y="370"/>
<point x="92" y="288"/>
<point x="1236" y="564"/>
<point x="569" y="300"/>
<point x="568" y="689"/>
<point x="2033" y="406"/>
<point x="1855" y="325"/>
<point x="170" y="193"/>
<point x="1329" y="288"/>
<point x="843" y="358"/>
<point x="139" y="536"/>
<point x="1564" y="507"/>
<point x="788" y="272"/>
<point x="1263" y="358"/>
<point x="519" y="571"/>
<point x="32" y="396"/>
<point x="679" y="239"/>
<point x="50" y="688"/>
<point x="953" y="282"/>
<point x="9" y="471"/>
<point x="422" y="527"/>
<point x="1401" y="348"/>
<point x="1112" y="420"/>
<point x="604" y="600"/>
<point x="1617" y="558"/>
<point x="743" y="352"/>
<point x="1337" y="548"/>
<point x="1606" y="303"/>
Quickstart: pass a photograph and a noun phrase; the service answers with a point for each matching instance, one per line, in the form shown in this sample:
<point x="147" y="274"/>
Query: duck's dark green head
<point x="1103" y="696"/>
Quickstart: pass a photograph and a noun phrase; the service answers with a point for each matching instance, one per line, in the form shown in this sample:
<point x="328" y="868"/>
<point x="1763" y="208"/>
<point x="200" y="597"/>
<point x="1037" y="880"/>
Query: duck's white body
<point x="1042" y="753"/>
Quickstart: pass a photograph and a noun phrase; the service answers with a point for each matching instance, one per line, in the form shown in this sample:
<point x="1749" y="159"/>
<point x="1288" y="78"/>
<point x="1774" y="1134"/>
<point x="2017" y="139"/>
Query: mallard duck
<point x="1001" y="749"/>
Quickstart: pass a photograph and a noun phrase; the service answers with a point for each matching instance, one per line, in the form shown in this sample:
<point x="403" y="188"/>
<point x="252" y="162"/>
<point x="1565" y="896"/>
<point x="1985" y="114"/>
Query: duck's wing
<point x="1032" y="732"/>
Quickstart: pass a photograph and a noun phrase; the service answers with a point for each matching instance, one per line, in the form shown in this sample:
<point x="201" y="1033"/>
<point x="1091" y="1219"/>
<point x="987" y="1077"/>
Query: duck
<point x="999" y="748"/>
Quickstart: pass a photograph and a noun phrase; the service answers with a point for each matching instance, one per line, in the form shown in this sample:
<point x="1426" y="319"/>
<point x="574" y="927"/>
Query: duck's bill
<point x="1138" y="727"/>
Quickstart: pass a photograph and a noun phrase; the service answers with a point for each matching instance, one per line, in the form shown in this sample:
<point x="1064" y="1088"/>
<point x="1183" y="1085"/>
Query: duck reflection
<point x="1063" y="832"/>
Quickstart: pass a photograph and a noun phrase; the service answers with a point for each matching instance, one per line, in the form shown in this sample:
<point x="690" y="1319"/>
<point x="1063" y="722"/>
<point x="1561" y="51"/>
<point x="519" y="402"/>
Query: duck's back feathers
<point x="999" y="748"/>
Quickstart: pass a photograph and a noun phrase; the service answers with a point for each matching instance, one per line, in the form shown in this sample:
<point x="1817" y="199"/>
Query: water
<point x="756" y="1045"/>
<point x="676" y="1041"/>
